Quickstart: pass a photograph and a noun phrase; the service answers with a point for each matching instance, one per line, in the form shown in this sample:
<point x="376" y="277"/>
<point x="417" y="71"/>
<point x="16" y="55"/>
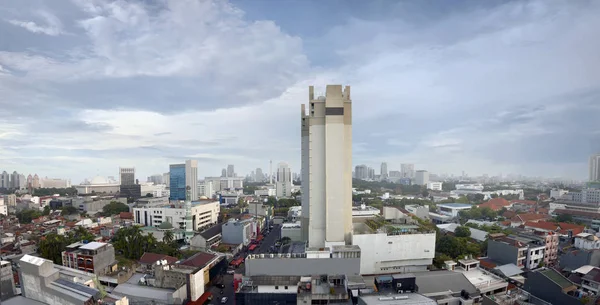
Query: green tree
<point x="462" y="199"/>
<point x="450" y="246"/>
<point x="80" y="233"/>
<point x="51" y="247"/>
<point x="286" y="240"/>
<point x="462" y="231"/>
<point x="168" y="237"/>
<point x="564" y="218"/>
<point x="272" y="201"/>
<point x="114" y="208"/>
<point x="46" y="211"/>
<point x="27" y="215"/>
<point x="440" y="258"/>
<point x="69" y="210"/>
<point x="131" y="243"/>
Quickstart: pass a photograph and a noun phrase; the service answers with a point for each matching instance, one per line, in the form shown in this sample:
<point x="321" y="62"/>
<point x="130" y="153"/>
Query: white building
<point x="223" y="183"/>
<point x="265" y="192"/>
<point x="206" y="188"/>
<point x="327" y="167"/>
<point x="291" y="230"/>
<point x="54" y="183"/>
<point x="204" y="214"/>
<point x="472" y="187"/>
<point x="595" y="167"/>
<point x="434" y="186"/>
<point x="191" y="178"/>
<point x="452" y="209"/>
<point x="407" y="170"/>
<point x="588" y="195"/>
<point x="157" y="190"/>
<point x="98" y="185"/>
<point x="284" y="180"/>
<point x="587" y="241"/>
<point x="365" y="211"/>
<point x="421" y="177"/>
<point x="3" y="207"/>
<point x="557" y="193"/>
<point x="401" y="251"/>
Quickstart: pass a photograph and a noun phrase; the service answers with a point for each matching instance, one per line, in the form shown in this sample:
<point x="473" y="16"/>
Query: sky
<point x="491" y="87"/>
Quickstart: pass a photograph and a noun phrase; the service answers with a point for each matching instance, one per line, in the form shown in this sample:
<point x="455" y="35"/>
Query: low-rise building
<point x="292" y="230"/>
<point x="93" y="257"/>
<point x="452" y="209"/>
<point x="238" y="232"/>
<point x="551" y="286"/>
<point x="204" y="214"/>
<point x="392" y="247"/>
<point x="365" y="211"/>
<point x="434" y="186"/>
<point x="207" y="238"/>
<point x="521" y="251"/>
<point x="586" y="241"/>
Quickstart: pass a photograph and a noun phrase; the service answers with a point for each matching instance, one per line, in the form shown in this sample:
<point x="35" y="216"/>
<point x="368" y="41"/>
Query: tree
<point x="564" y="218"/>
<point x="285" y="240"/>
<point x="46" y="211"/>
<point x="462" y="199"/>
<point x="462" y="231"/>
<point x="80" y="234"/>
<point x="168" y="237"/>
<point x="440" y="259"/>
<point x="272" y="201"/>
<point x="69" y="210"/>
<point x="114" y="208"/>
<point x="132" y="244"/>
<point x="27" y="215"/>
<point x="51" y="247"/>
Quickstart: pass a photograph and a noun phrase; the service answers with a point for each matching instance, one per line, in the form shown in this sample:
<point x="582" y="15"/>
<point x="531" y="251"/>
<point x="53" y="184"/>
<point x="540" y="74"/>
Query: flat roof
<point x="455" y="205"/>
<point x="38" y="261"/>
<point x="145" y="292"/>
<point x="397" y="299"/>
<point x="93" y="246"/>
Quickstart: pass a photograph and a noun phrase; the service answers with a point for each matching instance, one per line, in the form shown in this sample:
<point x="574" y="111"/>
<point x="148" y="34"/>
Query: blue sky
<point x="481" y="86"/>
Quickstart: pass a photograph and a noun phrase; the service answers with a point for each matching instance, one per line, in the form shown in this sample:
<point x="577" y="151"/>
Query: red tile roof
<point x="509" y="214"/>
<point x="561" y="227"/>
<point x="495" y="204"/>
<point x="126" y="215"/>
<point x="198" y="260"/>
<point x="151" y="258"/>
<point x="529" y="217"/>
<point x="528" y="202"/>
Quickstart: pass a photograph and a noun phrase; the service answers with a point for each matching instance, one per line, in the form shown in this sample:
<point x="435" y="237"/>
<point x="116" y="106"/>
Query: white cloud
<point x="53" y="26"/>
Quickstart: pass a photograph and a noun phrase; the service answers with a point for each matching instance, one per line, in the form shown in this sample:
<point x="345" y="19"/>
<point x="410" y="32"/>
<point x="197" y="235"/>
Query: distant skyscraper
<point x="595" y="167"/>
<point x="361" y="172"/>
<point x="260" y="177"/>
<point x="177" y="182"/>
<point x="156" y="179"/>
<point x="14" y="180"/>
<point x="167" y="179"/>
<point x="223" y="173"/>
<point x="327" y="168"/>
<point x="283" y="186"/>
<point x="421" y="177"/>
<point x="384" y="170"/>
<point x="371" y="173"/>
<point x="191" y="178"/>
<point x="407" y="170"/>
<point x="127" y="175"/>
<point x="36" y="181"/>
<point x="230" y="171"/>
<point x="5" y="180"/>
<point x="182" y="176"/>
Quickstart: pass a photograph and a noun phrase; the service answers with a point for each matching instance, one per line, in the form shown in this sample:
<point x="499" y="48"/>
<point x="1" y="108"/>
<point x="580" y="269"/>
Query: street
<point x="269" y="240"/>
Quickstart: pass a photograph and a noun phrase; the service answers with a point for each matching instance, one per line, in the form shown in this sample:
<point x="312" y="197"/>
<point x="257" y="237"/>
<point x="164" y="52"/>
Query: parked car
<point x="224" y="300"/>
<point x="230" y="271"/>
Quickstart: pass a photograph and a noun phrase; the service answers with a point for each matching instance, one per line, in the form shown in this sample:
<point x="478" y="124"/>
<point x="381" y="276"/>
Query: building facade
<point x="327" y="166"/>
<point x="191" y="178"/>
<point x="283" y="184"/>
<point x="237" y="232"/>
<point x="177" y="182"/>
<point x="407" y="170"/>
<point x="594" y="167"/>
<point x="434" y="186"/>
<point x="204" y="214"/>
<point x="93" y="257"/>
<point x="421" y="177"/>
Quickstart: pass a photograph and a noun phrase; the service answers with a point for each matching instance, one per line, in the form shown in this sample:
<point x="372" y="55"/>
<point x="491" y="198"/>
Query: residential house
<point x="574" y="259"/>
<point x="561" y="228"/>
<point x="520" y="219"/>
<point x="551" y="286"/>
<point x="207" y="238"/>
<point x="495" y="204"/>
<point x="93" y="257"/>
<point x="591" y="281"/>
<point x="148" y="260"/>
<point x="522" y="252"/>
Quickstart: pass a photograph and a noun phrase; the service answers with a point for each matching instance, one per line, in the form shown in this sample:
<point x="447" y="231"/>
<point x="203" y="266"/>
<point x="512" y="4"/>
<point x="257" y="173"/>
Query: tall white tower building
<point x="595" y="167"/>
<point x="327" y="168"/>
<point x="191" y="178"/>
<point x="283" y="185"/>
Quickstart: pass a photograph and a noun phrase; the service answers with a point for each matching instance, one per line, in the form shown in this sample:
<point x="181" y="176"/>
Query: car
<point x="224" y="300"/>
<point x="230" y="271"/>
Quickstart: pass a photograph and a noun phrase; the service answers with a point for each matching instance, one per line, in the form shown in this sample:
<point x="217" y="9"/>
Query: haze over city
<point x="476" y="86"/>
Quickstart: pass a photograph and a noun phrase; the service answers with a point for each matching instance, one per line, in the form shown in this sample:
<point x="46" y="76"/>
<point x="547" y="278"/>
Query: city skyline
<point x="435" y="91"/>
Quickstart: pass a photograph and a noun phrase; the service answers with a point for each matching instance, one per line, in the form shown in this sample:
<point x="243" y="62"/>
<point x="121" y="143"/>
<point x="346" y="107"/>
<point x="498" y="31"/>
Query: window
<point x="285" y="287"/>
<point x="276" y="287"/>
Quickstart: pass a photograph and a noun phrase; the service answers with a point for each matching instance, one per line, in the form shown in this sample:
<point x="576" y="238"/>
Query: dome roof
<point x="99" y="180"/>
<point x="165" y="226"/>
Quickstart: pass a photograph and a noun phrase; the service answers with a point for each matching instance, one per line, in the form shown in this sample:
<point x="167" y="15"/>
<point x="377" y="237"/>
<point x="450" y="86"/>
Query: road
<point x="269" y="240"/>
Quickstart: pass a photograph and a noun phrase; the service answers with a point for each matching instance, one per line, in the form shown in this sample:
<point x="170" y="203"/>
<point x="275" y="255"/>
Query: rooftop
<point x="441" y="281"/>
<point x="199" y="260"/>
<point x="557" y="278"/>
<point x="455" y="205"/>
<point x="93" y="246"/>
<point x="396" y="299"/>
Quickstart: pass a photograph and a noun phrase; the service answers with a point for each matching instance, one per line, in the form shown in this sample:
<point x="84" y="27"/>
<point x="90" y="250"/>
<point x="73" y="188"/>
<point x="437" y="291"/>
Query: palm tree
<point x="168" y="237"/>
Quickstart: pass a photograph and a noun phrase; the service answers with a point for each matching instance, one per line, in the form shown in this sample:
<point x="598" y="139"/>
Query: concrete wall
<point x="236" y="233"/>
<point x="381" y="253"/>
<point x="301" y="266"/>
<point x="295" y="234"/>
<point x="502" y="252"/>
<point x="7" y="283"/>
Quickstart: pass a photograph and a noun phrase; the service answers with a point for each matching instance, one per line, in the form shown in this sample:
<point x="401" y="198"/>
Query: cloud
<point x="485" y="87"/>
<point x="53" y="26"/>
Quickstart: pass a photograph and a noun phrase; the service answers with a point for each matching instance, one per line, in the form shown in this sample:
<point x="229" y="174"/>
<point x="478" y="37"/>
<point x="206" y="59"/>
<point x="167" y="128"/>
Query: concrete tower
<point x="191" y="178"/>
<point x="594" y="167"/>
<point x="327" y="168"/>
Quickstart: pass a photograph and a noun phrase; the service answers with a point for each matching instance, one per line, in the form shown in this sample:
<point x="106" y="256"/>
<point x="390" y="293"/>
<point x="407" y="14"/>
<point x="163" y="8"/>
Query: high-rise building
<point x="181" y="176"/>
<point x="371" y="173"/>
<point x="156" y="179"/>
<point x="5" y="180"/>
<point x="29" y="181"/>
<point x="223" y="173"/>
<point x="327" y="168"/>
<point x="421" y="177"/>
<point x="14" y="180"/>
<point x="260" y="177"/>
<point x="230" y="171"/>
<point x="167" y="179"/>
<point x="283" y="186"/>
<point x="22" y="182"/>
<point x="127" y="175"/>
<point x="361" y="172"/>
<point x="191" y="178"/>
<point x="384" y="170"/>
<point x="407" y="170"/>
<point x="595" y="167"/>
<point x="36" y="181"/>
